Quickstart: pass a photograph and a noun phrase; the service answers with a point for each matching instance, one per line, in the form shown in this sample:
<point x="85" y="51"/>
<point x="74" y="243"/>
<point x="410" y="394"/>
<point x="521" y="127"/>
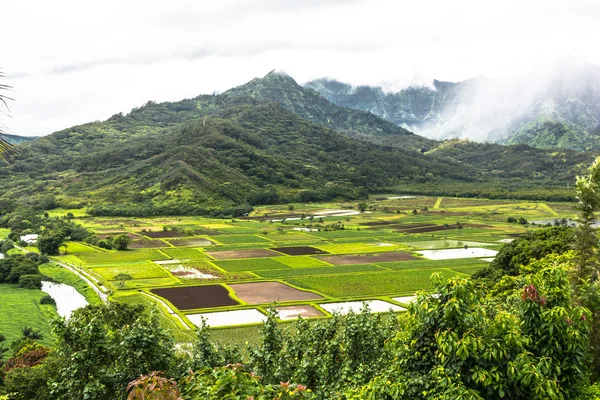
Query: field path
<point x="438" y="203"/>
<point x="549" y="209"/>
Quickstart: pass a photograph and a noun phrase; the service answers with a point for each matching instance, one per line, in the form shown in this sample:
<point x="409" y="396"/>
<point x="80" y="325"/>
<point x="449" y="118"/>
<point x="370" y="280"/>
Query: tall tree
<point x="586" y="242"/>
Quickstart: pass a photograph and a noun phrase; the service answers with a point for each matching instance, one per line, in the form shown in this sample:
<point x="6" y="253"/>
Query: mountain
<point x="311" y="106"/>
<point x="555" y="106"/>
<point x="15" y="139"/>
<point x="220" y="154"/>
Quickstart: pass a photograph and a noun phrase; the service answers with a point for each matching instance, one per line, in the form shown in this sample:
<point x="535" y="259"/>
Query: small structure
<point x="30" y="239"/>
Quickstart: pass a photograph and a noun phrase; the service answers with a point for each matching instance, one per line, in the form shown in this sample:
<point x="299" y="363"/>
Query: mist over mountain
<point x="553" y="106"/>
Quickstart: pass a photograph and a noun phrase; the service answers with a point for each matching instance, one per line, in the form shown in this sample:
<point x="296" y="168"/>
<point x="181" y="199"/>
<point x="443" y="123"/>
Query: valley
<point x="311" y="260"/>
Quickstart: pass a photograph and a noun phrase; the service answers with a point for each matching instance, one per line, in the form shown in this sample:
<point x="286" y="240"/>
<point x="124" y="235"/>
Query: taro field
<point x="307" y="259"/>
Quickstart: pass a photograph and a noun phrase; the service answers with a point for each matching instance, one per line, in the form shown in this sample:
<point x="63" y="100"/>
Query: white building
<point x="30" y="239"/>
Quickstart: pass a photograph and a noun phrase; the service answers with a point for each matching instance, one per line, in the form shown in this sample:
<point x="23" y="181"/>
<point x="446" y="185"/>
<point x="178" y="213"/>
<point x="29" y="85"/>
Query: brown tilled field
<point x="190" y="297"/>
<point x="269" y="292"/>
<point x="299" y="250"/>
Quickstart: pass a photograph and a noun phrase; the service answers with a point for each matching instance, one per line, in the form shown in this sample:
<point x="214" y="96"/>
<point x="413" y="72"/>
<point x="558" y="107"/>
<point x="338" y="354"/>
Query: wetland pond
<point x="66" y="297"/>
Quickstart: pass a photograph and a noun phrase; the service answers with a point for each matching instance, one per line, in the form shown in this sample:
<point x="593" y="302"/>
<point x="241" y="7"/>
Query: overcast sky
<point x="72" y="62"/>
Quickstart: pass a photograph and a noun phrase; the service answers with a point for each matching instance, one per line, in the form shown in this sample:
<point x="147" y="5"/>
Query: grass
<point x="62" y="275"/>
<point x="371" y="284"/>
<point x="122" y="256"/>
<point x="348" y="248"/>
<point x="250" y="264"/>
<point x="78" y="248"/>
<point x="300" y="272"/>
<point x="20" y="308"/>
<point x="144" y="271"/>
<point x="185" y="254"/>
<point x="301" y="261"/>
<point x="237" y="239"/>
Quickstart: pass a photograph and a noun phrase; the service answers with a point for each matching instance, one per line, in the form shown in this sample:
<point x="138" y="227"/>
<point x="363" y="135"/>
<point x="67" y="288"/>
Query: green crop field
<point x="20" y="308"/>
<point x="371" y="284"/>
<point x="250" y="264"/>
<point x="301" y="262"/>
<point x="122" y="256"/>
<point x="299" y="272"/>
<point x="185" y="254"/>
<point x="285" y="237"/>
<point x="235" y="239"/>
<point x="428" y="264"/>
<point x="143" y="271"/>
<point x="349" y="248"/>
<point x="347" y="233"/>
<point x="78" y="248"/>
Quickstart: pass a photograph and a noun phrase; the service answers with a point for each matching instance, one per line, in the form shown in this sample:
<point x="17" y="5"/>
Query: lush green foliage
<point x="462" y="344"/>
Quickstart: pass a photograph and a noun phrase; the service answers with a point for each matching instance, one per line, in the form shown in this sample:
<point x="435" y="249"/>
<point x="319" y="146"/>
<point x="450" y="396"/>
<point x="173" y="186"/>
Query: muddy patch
<point x="269" y="292"/>
<point x="368" y="258"/>
<point x="293" y="312"/>
<point x="190" y="297"/>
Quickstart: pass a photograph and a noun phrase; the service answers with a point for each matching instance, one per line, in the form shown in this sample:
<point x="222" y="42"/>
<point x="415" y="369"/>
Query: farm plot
<point x="147" y="244"/>
<point x="191" y="297"/>
<point x="289" y="237"/>
<point x="299" y="250"/>
<point x="371" y="284"/>
<point x="474" y="252"/>
<point x="368" y="258"/>
<point x="443" y="244"/>
<point x="428" y="264"/>
<point x="470" y="270"/>
<point x="346" y="233"/>
<point x="238" y="239"/>
<point x="269" y="292"/>
<point x="79" y="248"/>
<point x="162" y="234"/>
<point x="185" y="254"/>
<point x="375" y="306"/>
<point x="293" y="312"/>
<point x="122" y="256"/>
<point x="345" y="248"/>
<point x="293" y="272"/>
<point x="144" y="271"/>
<point x="301" y="262"/>
<point x="233" y="254"/>
<point x="227" y="318"/>
<point x="191" y="242"/>
<point x="130" y="235"/>
<point x="251" y="264"/>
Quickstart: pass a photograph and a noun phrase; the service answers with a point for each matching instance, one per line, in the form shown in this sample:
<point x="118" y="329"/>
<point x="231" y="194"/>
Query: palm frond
<point x="7" y="150"/>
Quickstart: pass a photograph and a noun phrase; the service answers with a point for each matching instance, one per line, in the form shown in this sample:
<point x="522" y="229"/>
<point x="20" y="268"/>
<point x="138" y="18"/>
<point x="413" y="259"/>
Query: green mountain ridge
<point x="16" y="139"/>
<point x="220" y="154"/>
